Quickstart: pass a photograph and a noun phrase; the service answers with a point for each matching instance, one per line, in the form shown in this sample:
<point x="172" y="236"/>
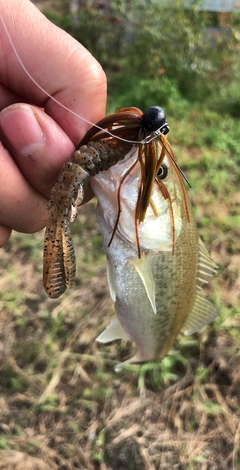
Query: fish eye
<point x="162" y="172"/>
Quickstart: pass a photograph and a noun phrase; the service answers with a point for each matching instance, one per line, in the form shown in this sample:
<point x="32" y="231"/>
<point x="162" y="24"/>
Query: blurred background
<point x="60" y="400"/>
<point x="160" y="51"/>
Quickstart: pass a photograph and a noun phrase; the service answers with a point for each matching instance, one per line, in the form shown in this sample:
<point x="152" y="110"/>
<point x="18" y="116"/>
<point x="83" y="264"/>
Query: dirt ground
<point x="62" y="406"/>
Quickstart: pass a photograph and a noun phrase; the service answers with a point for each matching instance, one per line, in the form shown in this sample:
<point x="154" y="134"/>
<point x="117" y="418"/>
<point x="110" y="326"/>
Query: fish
<point x="155" y="268"/>
<point x="156" y="262"/>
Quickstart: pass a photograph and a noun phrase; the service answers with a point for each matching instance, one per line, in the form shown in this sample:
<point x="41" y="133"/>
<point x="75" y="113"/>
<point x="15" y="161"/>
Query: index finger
<point x="62" y="66"/>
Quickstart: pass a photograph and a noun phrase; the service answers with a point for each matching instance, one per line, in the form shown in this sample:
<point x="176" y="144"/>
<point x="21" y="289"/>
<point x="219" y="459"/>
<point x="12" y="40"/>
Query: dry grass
<point x="63" y="407"/>
<point x="61" y="404"/>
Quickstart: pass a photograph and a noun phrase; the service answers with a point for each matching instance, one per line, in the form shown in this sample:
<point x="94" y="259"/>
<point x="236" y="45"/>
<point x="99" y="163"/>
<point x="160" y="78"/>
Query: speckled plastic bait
<point x="98" y="151"/>
<point x="59" y="264"/>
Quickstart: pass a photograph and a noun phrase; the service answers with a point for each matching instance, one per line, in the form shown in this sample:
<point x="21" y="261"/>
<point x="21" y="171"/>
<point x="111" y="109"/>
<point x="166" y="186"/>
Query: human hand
<point x="38" y="138"/>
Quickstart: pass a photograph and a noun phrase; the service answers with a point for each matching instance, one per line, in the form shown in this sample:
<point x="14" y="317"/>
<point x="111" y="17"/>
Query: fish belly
<point x="174" y="277"/>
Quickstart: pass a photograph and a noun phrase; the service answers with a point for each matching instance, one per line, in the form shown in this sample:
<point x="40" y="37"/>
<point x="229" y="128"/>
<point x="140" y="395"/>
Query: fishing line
<point x="52" y="97"/>
<point x="154" y="135"/>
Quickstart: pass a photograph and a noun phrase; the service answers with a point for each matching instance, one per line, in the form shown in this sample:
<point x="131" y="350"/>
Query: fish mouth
<point x="127" y="128"/>
<point x="127" y="125"/>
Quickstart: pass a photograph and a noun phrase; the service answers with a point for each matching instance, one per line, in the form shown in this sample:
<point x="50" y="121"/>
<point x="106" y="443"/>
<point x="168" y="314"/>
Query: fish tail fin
<point x="115" y="331"/>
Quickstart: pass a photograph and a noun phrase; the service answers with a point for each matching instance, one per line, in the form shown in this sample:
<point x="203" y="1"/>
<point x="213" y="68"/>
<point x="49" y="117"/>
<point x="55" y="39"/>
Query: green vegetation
<point x="61" y="401"/>
<point x="157" y="51"/>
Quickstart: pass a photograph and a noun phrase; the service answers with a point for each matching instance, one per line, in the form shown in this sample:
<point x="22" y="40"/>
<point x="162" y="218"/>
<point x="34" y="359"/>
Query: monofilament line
<point x="52" y="97"/>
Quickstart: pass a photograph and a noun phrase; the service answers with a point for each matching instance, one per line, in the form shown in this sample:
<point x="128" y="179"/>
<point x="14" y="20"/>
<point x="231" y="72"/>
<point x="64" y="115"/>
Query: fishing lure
<point x="103" y="146"/>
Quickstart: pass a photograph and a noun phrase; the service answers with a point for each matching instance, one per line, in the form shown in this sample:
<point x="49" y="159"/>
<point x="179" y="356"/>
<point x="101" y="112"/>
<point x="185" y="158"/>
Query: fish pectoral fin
<point x="110" y="284"/>
<point x="206" y="266"/>
<point x="143" y="268"/>
<point x="203" y="312"/>
<point x="113" y="331"/>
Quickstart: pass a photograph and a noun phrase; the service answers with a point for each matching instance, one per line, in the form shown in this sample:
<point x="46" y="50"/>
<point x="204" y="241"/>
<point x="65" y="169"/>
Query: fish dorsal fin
<point x="113" y="331"/>
<point x="143" y="268"/>
<point x="203" y="312"/>
<point x="206" y="266"/>
<point x="110" y="284"/>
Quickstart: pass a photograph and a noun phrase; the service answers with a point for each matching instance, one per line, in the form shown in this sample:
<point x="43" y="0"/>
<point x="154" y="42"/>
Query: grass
<point x="61" y="402"/>
<point x="62" y="406"/>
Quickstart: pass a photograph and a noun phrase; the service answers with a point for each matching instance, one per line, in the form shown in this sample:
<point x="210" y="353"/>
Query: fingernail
<point x="21" y="128"/>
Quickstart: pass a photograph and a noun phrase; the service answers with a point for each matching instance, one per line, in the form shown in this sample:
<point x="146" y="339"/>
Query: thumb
<point x="37" y="144"/>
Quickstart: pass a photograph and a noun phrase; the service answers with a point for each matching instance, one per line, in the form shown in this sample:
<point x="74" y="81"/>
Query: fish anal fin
<point x="113" y="331"/>
<point x="203" y="312"/>
<point x="143" y="268"/>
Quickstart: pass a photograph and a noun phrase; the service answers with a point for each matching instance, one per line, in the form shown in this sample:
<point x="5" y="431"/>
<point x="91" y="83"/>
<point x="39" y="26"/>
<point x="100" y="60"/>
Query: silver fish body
<point x="158" y="294"/>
